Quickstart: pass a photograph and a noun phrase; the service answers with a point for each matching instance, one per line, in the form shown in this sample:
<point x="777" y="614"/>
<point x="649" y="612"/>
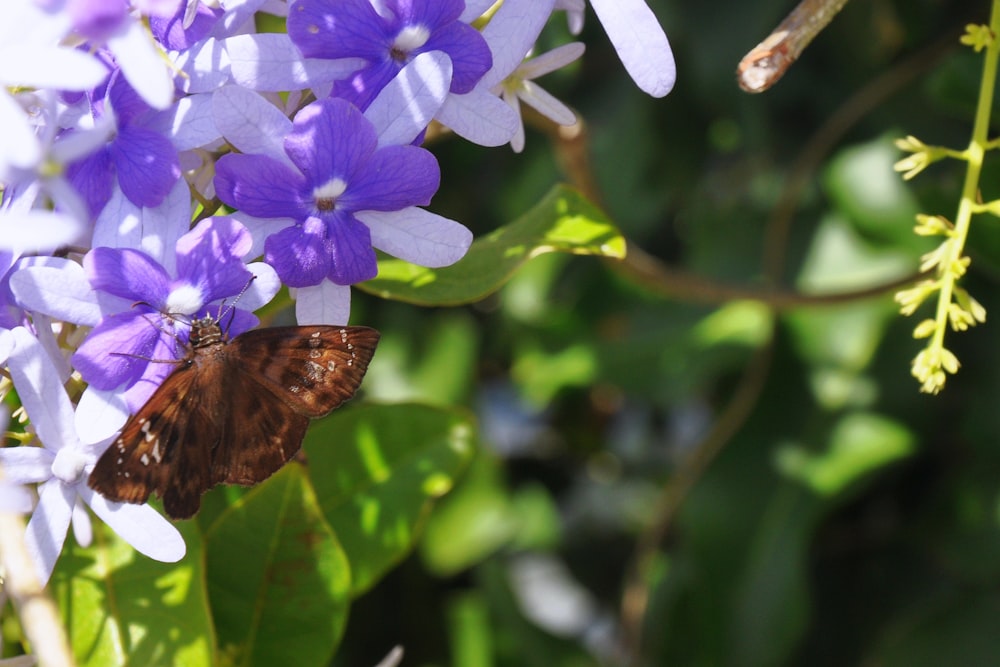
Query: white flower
<point x="61" y="466"/>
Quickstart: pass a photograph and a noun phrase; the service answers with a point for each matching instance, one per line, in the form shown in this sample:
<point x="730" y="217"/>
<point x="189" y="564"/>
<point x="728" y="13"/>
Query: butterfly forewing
<point x="312" y="368"/>
<point x="232" y="412"/>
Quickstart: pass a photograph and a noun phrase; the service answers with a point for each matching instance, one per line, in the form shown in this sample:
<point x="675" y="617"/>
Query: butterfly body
<point x="232" y="412"/>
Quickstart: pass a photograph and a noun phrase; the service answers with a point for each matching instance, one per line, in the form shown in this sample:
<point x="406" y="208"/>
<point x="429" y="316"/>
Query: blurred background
<point x="713" y="453"/>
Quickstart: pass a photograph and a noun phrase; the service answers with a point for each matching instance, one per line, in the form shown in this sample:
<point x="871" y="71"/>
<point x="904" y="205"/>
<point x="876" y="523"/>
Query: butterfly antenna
<point x="231" y="308"/>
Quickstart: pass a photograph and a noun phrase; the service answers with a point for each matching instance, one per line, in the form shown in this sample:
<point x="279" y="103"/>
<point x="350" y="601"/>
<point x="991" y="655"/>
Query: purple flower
<point x="144" y="161"/>
<point x="180" y="32"/>
<point x="339" y="170"/>
<point x="388" y="40"/>
<point x="146" y="323"/>
<point x="61" y="467"/>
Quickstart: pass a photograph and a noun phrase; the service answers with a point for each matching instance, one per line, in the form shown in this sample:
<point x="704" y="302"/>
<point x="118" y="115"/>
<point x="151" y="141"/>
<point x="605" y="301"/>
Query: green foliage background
<point x="710" y="452"/>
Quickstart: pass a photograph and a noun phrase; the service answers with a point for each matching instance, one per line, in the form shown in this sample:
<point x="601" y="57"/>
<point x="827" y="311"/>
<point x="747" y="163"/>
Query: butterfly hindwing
<point x="153" y="446"/>
<point x="313" y="369"/>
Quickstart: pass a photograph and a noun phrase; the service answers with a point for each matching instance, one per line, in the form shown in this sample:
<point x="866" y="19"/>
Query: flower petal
<point x="47" y="528"/>
<point x="641" y="43"/>
<point x="41" y="391"/>
<point x="326" y="303"/>
<point x="418" y="236"/>
<point x="139" y="525"/>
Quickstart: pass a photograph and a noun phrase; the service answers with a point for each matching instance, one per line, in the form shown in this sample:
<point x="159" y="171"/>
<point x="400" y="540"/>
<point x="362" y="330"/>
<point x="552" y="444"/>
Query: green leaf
<point x="377" y="470"/>
<point x="278" y="579"/>
<point x="562" y="222"/>
<point x="122" y="608"/>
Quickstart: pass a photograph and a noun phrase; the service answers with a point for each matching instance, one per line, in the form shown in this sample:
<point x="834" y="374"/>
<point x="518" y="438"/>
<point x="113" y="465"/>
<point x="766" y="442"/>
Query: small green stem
<point x="978" y="145"/>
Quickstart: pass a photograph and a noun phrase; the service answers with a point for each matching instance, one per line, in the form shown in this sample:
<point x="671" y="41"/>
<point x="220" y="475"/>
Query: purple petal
<point x="350" y="247"/>
<point x="93" y="177"/>
<point x="470" y="54"/>
<point x="394" y="178"/>
<point x="338" y="29"/>
<point x="262" y="187"/>
<point x="209" y="257"/>
<point x="127" y="273"/>
<point x="171" y="33"/>
<point x="235" y="321"/>
<point x="139" y="525"/>
<point x="119" y="349"/>
<point x="49" y="523"/>
<point x="431" y="13"/>
<point x="127" y="104"/>
<point x="147" y="163"/>
<point x="299" y="254"/>
<point x="331" y="139"/>
<point x="361" y="87"/>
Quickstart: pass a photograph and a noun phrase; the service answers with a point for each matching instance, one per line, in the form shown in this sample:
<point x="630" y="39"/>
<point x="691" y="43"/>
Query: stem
<point x="974" y="157"/>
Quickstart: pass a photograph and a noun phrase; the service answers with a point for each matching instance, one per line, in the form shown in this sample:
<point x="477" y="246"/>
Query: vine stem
<point x="973" y="156"/>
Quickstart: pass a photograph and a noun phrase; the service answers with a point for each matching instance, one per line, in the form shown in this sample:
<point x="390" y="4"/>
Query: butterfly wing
<point x="166" y="446"/>
<point x="260" y="433"/>
<point x="313" y="369"/>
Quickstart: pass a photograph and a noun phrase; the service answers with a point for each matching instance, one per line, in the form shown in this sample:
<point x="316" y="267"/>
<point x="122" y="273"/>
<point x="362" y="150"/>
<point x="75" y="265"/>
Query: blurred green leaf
<point x="474" y="521"/>
<point x="278" y="580"/>
<point x="122" y="608"/>
<point x="377" y="470"/>
<point x="859" y="444"/>
<point x="867" y="191"/>
<point x="561" y="222"/>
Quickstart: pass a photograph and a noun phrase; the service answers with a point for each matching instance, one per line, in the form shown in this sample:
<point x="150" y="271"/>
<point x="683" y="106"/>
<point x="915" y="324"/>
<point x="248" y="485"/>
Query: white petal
<point x="511" y="33"/>
<point x="38" y="231"/>
<point x="164" y="224"/>
<point x="260" y="229"/>
<point x="100" y="414"/>
<point x="641" y="43"/>
<point x="552" y="60"/>
<point x="53" y="67"/>
<point x="194" y="123"/>
<point x="206" y="66"/>
<point x="47" y="528"/>
<point x="404" y="108"/>
<point x="418" y="236"/>
<point x="20" y="147"/>
<point x="143" y="63"/>
<point x="251" y="123"/>
<point x="82" y="530"/>
<point x="41" y="392"/>
<point x="546" y="104"/>
<point x="26" y="464"/>
<point x="326" y="303"/>
<point x="139" y="525"/>
<point x="6" y="347"/>
<point x="265" y="285"/>
<point x="479" y="116"/>
<point x="60" y="291"/>
<point x="15" y="499"/>
<point x="119" y="225"/>
<point x="271" y="62"/>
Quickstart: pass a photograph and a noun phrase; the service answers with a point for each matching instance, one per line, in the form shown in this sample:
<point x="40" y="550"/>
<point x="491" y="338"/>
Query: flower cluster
<point x="128" y="125"/>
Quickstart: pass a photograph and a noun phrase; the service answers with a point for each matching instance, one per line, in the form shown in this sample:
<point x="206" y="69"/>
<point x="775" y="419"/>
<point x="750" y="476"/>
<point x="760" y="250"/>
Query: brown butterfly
<point x="233" y="412"/>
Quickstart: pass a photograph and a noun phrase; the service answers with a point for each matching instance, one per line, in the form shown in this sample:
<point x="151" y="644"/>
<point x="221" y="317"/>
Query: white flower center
<point x="185" y="299"/>
<point x="326" y="195"/>
<point x="69" y="465"/>
<point x="410" y="38"/>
